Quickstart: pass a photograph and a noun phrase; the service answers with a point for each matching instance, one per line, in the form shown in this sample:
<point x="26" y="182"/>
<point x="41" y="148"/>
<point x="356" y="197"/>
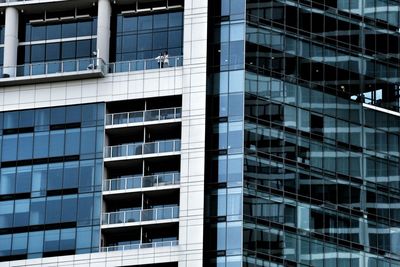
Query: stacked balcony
<point x="142" y="174"/>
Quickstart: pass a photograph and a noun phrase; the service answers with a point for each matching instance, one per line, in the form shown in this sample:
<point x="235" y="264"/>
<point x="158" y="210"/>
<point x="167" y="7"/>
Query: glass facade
<point x="311" y="158"/>
<point x="146" y="36"/>
<point x="55" y="37"/>
<point x="51" y="181"/>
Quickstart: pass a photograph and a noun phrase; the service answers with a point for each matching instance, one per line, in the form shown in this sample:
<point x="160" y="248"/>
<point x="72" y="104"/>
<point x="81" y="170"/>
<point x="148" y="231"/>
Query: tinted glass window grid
<point x="147" y="36"/>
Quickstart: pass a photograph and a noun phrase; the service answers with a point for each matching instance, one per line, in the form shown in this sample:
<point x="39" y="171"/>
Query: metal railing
<point x="136" y="149"/>
<point x="144" y="64"/>
<point x="144" y="115"/>
<point x="56" y="67"/>
<point x="130" y="216"/>
<point x="139" y="246"/>
<point x="134" y="182"/>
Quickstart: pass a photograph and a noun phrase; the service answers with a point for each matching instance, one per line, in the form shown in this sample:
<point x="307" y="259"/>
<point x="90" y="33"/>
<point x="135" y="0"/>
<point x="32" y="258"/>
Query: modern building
<point x="191" y="133"/>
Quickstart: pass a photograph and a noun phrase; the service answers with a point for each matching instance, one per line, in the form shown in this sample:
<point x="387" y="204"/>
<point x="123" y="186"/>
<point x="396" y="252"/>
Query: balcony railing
<point x="144" y="64"/>
<point x="143" y="116"/>
<point x="131" y="216"/>
<point x="135" y="182"/>
<point x="136" y="149"/>
<point x="58" y="67"/>
<point x="139" y="246"/>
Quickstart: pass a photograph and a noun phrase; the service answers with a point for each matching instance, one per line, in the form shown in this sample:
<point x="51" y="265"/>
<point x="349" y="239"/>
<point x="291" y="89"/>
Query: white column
<point x="11" y="41"/>
<point x="103" y="29"/>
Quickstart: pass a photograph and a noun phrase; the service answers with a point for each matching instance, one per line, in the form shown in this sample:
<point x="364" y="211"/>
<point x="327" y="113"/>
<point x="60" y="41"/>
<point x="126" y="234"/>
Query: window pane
<point x="35" y="243"/>
<point x="56" y="143"/>
<point x="72" y="139"/>
<point x="53" y="210"/>
<point x="23" y="181"/>
<point x="68" y="50"/>
<point x="83" y="49"/>
<point x="38" y="53"/>
<point x="145" y="23"/>
<point x="53" y="31"/>
<point x="84" y="28"/>
<point x="69" y="208"/>
<point x="55" y="175"/>
<point x="41" y="145"/>
<point x="7" y="181"/>
<point x="37" y="211"/>
<point x="51" y="240"/>
<point x="9" y="149"/>
<point x="25" y="145"/>
<point x="21" y="213"/>
<point x="68" y="30"/>
<point x="6" y="214"/>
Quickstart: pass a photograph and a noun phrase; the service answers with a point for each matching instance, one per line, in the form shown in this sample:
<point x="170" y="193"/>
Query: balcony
<point x="54" y="71"/>
<point x="141" y="149"/>
<point x="127" y="184"/>
<point x="172" y="243"/>
<point x="133" y="118"/>
<point x="122" y="218"/>
<point x="144" y="64"/>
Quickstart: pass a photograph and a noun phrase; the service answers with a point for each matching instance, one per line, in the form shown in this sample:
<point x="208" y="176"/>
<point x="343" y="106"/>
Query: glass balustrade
<point x="139" y="246"/>
<point x="136" y="149"/>
<point x="57" y="67"/>
<point x="130" y="216"/>
<point x="142" y="116"/>
<point x="135" y="182"/>
<point x="144" y="64"/>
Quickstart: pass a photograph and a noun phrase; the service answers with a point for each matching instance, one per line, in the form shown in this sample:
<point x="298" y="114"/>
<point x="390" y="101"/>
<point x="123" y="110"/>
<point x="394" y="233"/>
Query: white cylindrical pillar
<point x="103" y="29"/>
<point x="11" y="41"/>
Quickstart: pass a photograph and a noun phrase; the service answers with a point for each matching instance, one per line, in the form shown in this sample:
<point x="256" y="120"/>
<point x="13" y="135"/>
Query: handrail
<point x="139" y="246"/>
<point x="144" y="64"/>
<point x="55" y="67"/>
<point x="135" y="149"/>
<point x="133" y="182"/>
<point x="143" y="215"/>
<point x="144" y="115"/>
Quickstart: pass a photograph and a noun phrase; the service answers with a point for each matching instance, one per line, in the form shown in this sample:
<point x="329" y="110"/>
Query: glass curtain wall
<point x="68" y="36"/>
<point x="50" y="181"/>
<point x="225" y="126"/>
<point x="321" y="176"/>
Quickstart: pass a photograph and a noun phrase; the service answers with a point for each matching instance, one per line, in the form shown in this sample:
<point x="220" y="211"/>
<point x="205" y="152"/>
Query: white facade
<point x="189" y="81"/>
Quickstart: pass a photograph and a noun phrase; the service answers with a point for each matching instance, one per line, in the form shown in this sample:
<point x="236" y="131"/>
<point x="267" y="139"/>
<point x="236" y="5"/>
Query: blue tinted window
<point x="84" y="28"/>
<point x="9" y="149"/>
<point x="51" y="240"/>
<point x="144" y="41"/>
<point x="73" y="114"/>
<point x="55" y="175"/>
<point x="69" y="208"/>
<point x="53" y="210"/>
<point x="23" y="181"/>
<point x="38" y="33"/>
<point x="35" y="242"/>
<point x="42" y="117"/>
<point x="58" y="115"/>
<point x="7" y="181"/>
<point x="39" y="179"/>
<point x="19" y="243"/>
<point x="145" y="23"/>
<point x="38" y="53"/>
<point x="5" y="245"/>
<point x="88" y="140"/>
<point x="68" y="30"/>
<point x="38" y="211"/>
<point x="86" y="175"/>
<point x="68" y="50"/>
<point x="89" y="113"/>
<point x="83" y="237"/>
<point x="67" y="239"/>
<point x="83" y="49"/>
<point x="53" y="52"/>
<point x="11" y="120"/>
<point x="85" y="209"/>
<point x="53" y="31"/>
<point x="21" y="213"/>
<point x="26" y="118"/>
<point x="6" y="214"/>
<point x="160" y="21"/>
<point x="25" y="145"/>
<point x="129" y="24"/>
<point x="72" y="141"/>
<point x="175" y="19"/>
<point x="56" y="143"/>
<point x="71" y="174"/>
<point x="41" y="145"/>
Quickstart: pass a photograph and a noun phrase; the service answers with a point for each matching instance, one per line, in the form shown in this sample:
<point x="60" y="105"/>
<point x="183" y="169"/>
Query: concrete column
<point x="11" y="41"/>
<point x="103" y="29"/>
